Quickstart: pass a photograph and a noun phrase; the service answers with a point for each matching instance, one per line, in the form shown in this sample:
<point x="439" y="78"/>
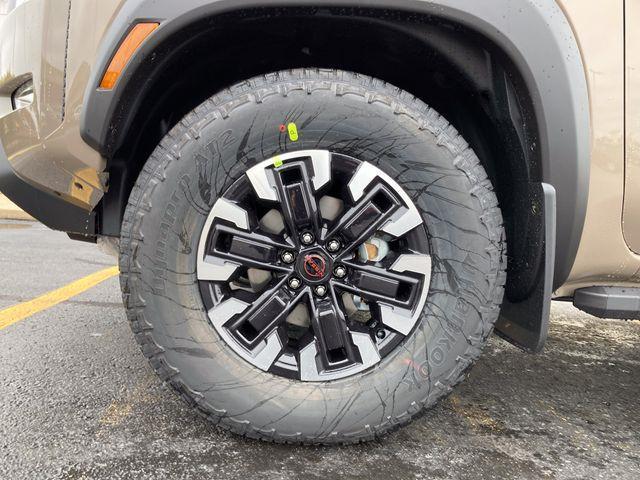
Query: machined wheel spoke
<point x="262" y="355"/>
<point x="405" y="218"/>
<point x="400" y="314"/>
<point x="334" y="344"/>
<point x="265" y="315"/>
<point x="336" y="350"/>
<point x="379" y="284"/>
<point x="249" y="249"/>
<point x="362" y="220"/>
<point x="299" y="205"/>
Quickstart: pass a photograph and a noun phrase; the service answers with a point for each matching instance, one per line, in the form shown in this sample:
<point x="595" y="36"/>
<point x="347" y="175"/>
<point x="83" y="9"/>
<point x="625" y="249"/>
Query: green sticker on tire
<point x="293" y="132"/>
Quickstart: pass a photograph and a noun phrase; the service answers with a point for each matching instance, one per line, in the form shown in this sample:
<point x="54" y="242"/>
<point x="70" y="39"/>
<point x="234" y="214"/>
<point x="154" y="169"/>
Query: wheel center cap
<point x="314" y="266"/>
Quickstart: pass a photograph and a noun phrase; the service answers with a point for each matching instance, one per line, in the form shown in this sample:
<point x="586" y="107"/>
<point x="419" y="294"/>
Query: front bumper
<point x="51" y="210"/>
<point x="45" y="167"/>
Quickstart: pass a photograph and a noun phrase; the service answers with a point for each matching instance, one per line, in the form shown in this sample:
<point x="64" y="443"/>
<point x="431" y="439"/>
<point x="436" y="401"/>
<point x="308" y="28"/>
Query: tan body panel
<point x="631" y="219"/>
<point x="55" y="116"/>
<point x="604" y="258"/>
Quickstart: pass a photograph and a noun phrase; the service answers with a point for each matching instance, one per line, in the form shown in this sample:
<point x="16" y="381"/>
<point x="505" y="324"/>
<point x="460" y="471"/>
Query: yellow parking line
<point x="18" y="312"/>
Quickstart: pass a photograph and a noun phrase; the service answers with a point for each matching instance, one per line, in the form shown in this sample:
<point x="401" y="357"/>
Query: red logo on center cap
<point x="315" y="266"/>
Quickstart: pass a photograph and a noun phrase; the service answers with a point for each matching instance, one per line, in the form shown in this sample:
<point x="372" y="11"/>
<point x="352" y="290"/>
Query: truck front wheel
<point x="312" y="256"/>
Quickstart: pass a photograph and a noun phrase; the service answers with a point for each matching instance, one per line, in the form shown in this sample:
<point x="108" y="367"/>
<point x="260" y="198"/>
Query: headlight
<point x="23" y="96"/>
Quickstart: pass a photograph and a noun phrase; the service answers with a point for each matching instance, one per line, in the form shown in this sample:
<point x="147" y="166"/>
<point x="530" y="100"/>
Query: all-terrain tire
<point x="347" y="113"/>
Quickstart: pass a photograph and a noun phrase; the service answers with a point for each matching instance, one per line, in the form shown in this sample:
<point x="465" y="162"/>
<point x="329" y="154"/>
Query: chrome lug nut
<point x="307" y="238"/>
<point x="287" y="257"/>
<point x="333" y="245"/>
<point x="320" y="290"/>
<point x="295" y="283"/>
<point x="340" y="271"/>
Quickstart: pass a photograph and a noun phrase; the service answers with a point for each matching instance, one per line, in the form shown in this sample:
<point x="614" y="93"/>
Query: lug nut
<point x="373" y="324"/>
<point x="295" y="283"/>
<point x="321" y="290"/>
<point x="340" y="271"/>
<point x="307" y="238"/>
<point x="287" y="257"/>
<point x="333" y="245"/>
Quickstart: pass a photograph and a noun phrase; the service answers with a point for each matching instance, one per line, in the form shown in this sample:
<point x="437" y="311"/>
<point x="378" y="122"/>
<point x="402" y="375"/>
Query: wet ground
<point x="78" y="400"/>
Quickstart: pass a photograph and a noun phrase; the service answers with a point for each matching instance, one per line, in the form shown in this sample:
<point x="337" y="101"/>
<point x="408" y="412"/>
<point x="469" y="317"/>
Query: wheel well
<point x="459" y="73"/>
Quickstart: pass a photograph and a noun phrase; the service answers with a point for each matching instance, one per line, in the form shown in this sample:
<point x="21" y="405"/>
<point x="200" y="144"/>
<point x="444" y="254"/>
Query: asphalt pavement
<point x="78" y="400"/>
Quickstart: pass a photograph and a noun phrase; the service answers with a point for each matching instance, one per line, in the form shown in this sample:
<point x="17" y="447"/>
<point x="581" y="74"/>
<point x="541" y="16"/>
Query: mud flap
<point x="526" y="323"/>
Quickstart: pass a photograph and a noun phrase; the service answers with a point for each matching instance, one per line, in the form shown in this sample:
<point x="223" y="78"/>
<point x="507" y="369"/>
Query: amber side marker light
<point x="125" y="51"/>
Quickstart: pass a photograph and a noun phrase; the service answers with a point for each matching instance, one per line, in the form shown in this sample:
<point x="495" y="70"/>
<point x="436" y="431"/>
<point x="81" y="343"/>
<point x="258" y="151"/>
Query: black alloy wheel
<point x="280" y="265"/>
